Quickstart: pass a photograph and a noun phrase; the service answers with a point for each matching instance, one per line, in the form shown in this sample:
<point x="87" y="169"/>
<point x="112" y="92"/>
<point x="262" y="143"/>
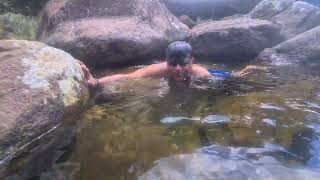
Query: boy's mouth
<point x="179" y="76"/>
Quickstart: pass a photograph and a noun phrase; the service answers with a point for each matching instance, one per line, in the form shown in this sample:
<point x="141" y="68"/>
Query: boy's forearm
<point x="109" y="79"/>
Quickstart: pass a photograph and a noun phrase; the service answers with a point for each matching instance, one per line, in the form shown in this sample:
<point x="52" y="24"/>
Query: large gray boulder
<point x="210" y="9"/>
<point x="302" y="48"/>
<point x="187" y="21"/>
<point x="295" y="17"/>
<point x="267" y="9"/>
<point x="110" y="32"/>
<point x="41" y="86"/>
<point x="238" y="38"/>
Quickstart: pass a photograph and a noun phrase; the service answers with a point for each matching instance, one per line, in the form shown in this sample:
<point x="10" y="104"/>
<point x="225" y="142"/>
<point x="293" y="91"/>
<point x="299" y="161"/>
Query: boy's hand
<point x="248" y="69"/>
<point x="91" y="81"/>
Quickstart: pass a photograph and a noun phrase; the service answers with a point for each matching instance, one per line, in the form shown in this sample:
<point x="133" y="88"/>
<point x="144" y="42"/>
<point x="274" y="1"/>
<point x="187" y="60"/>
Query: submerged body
<point x="179" y="68"/>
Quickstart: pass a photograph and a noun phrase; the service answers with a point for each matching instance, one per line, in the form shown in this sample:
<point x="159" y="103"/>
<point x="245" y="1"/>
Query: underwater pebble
<point x="272" y="107"/>
<point x="270" y="122"/>
<point x="212" y="119"/>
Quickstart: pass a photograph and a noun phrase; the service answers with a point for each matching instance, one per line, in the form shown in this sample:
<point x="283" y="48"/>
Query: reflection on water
<point x="265" y="126"/>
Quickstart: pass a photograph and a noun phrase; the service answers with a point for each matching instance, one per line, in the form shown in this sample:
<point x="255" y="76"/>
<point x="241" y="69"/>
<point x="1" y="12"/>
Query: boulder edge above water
<point x="295" y="17"/>
<point x="303" y="48"/>
<point x="41" y="86"/>
<point x="235" y="38"/>
<point x="103" y="33"/>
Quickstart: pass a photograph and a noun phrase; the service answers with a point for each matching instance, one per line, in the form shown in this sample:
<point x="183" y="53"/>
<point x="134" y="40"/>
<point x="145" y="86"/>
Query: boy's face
<point x="180" y="69"/>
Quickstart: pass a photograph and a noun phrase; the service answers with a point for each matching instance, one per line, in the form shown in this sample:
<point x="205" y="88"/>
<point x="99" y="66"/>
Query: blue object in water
<point x="220" y="73"/>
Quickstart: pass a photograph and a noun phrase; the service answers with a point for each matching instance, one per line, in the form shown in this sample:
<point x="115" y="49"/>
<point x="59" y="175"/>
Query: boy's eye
<point x="178" y="63"/>
<point x="183" y="64"/>
<point x="172" y="64"/>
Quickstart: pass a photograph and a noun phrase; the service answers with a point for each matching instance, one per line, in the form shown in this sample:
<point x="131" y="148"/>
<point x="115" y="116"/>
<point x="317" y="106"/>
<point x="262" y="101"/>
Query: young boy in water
<point x="178" y="67"/>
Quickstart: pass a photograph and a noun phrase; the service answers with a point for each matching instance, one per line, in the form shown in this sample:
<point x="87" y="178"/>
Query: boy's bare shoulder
<point x="200" y="71"/>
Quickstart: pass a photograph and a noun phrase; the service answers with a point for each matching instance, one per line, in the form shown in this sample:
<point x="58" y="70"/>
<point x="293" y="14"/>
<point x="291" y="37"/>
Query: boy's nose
<point x="178" y="67"/>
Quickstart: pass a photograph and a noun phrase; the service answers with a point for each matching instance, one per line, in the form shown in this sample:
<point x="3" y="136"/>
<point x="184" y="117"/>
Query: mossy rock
<point x="42" y="87"/>
<point x="17" y="26"/>
<point x="29" y="7"/>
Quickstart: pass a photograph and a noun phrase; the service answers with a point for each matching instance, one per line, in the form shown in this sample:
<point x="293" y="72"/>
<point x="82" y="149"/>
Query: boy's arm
<point x="149" y="71"/>
<point x="201" y="72"/>
<point x="248" y="69"/>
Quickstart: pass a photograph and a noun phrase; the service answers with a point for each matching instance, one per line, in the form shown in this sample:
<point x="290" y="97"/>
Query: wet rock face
<point x="235" y="38"/>
<point x="295" y="17"/>
<point x="40" y="86"/>
<point x="110" y="32"/>
<point x="187" y="21"/>
<point x="302" y="48"/>
<point x="269" y="8"/>
<point x="210" y="9"/>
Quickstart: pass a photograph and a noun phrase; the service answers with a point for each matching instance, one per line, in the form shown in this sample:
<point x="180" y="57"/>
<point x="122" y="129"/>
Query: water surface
<point x="241" y="128"/>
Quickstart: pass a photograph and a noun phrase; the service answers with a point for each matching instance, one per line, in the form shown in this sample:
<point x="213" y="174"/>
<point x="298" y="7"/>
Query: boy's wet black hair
<point x="178" y="52"/>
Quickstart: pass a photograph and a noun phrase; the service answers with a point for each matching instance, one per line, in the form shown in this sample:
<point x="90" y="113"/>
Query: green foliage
<point x="17" y="26"/>
<point x="5" y="5"/>
<point x="25" y="7"/>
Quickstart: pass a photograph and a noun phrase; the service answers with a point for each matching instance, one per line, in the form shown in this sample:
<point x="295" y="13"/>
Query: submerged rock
<point x="216" y="119"/>
<point x="314" y="2"/>
<point x="110" y="32"/>
<point x="41" y="85"/>
<point x="213" y="165"/>
<point x="211" y="119"/>
<point x="210" y="9"/>
<point x="295" y="17"/>
<point x="236" y="38"/>
<point x="302" y="48"/>
<point x="170" y="120"/>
